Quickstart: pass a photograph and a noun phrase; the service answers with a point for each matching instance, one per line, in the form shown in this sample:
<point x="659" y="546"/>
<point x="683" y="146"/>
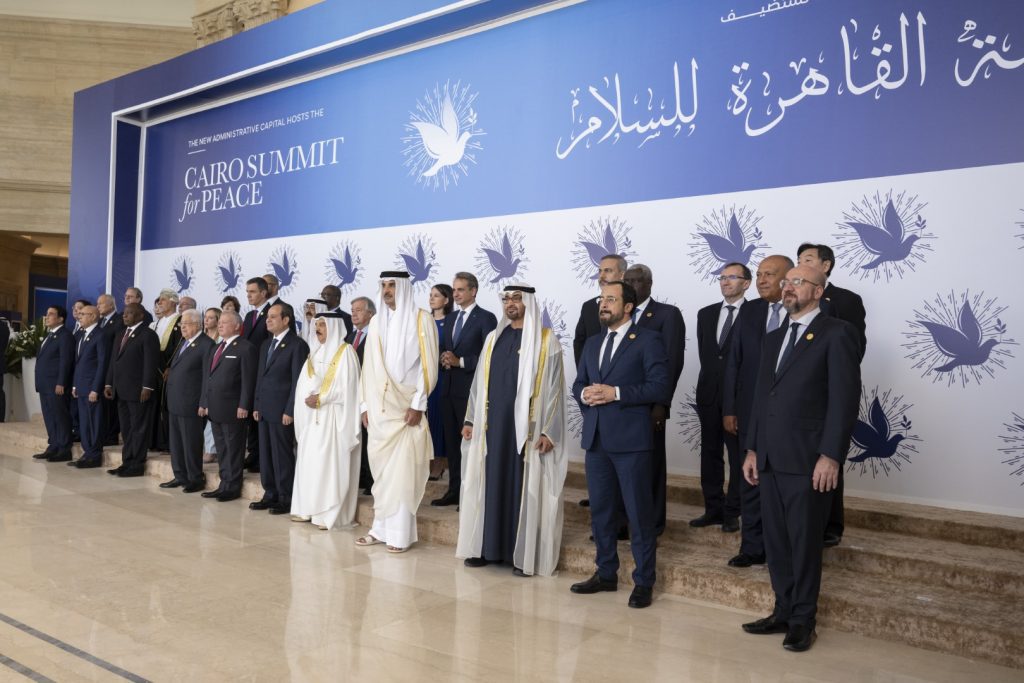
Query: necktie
<point x="124" y="340"/>
<point x="359" y="338"/>
<point x="726" y="327"/>
<point x="270" y="349"/>
<point x="794" y="332"/>
<point x="78" y="351"/>
<point x="458" y="328"/>
<point x="184" y="345"/>
<point x="773" y="322"/>
<point x="606" y="359"/>
<point x="216" y="356"/>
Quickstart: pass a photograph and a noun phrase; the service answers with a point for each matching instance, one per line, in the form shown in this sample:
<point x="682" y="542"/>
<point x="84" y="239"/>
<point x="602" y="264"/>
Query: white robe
<point x="327" y="456"/>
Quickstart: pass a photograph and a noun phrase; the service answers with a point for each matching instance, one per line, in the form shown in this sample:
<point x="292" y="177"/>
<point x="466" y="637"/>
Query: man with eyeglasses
<point x="805" y="406"/>
<point x="715" y="325"/>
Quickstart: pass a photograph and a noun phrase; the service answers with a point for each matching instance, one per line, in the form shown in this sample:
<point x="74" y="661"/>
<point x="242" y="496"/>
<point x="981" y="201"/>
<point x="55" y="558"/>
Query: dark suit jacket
<point x="55" y="361"/>
<point x="587" y="326"/>
<point x="350" y="338"/>
<point x="845" y="305"/>
<point x="640" y="369"/>
<point x="275" y="382"/>
<point x="185" y="379"/>
<point x="712" y="357"/>
<point x="5" y="338"/>
<point x="91" y="364"/>
<point x="136" y="367"/>
<point x="810" y="405"/>
<point x="475" y="328"/>
<point x="741" y="364"/>
<point x="667" y="321"/>
<point x="255" y="332"/>
<point x="232" y="384"/>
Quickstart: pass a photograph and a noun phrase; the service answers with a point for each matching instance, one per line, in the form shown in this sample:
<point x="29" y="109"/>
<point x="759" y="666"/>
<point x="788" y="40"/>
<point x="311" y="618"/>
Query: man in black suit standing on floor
<point x="281" y="359"/>
<point x="464" y="332"/>
<point x="111" y="322"/>
<point x="363" y="309"/>
<point x="131" y="379"/>
<point x="92" y="355"/>
<point x="622" y="375"/>
<point x="229" y="382"/>
<point x="845" y="305"/>
<point x="805" y="406"/>
<point x="715" y="325"/>
<point x="54" y="364"/>
<point x="667" y="321"/>
<point x="184" y="386"/>
<point x="756" y="318"/>
<point x="254" y="331"/>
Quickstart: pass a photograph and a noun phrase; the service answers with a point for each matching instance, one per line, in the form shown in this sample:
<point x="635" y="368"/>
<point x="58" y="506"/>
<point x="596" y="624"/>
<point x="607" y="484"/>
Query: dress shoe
<point x="211" y="494"/>
<point x="766" y="626"/>
<point x="261" y="505"/>
<point x="705" y="520"/>
<point x="730" y="525"/>
<point x="281" y="509"/>
<point x="585" y="503"/>
<point x="225" y="496"/>
<point x="71" y="463"/>
<point x="640" y="597"/>
<point x="475" y="562"/>
<point x="595" y="584"/>
<point x="115" y="470"/>
<point x="367" y="491"/>
<point x="172" y="484"/>
<point x="194" y="487"/>
<point x="744" y="560"/>
<point x="831" y="541"/>
<point x="252" y="465"/>
<point x="45" y="455"/>
<point x="447" y="499"/>
<point x="799" y="638"/>
<point x="84" y="464"/>
<point x="64" y="456"/>
<point x="131" y="473"/>
<point x="516" y="571"/>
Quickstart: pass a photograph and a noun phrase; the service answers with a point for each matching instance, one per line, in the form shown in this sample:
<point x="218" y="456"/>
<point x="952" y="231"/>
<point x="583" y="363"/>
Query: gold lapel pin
<point x="810" y="336"/>
<point x="649" y="314"/>
<point x="632" y="336"/>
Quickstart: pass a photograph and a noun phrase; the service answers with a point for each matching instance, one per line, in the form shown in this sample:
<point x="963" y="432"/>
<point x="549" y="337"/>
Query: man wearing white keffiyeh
<point x="514" y="455"/>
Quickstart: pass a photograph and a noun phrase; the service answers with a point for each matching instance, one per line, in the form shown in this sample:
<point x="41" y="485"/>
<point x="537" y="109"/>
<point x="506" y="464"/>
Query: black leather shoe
<point x="595" y="584"/>
<point x="211" y="494"/>
<point x="367" y="491"/>
<point x="475" y="562"/>
<point x="72" y="463"/>
<point x="194" y="487"/>
<point x="45" y="455"/>
<point x="131" y="473"/>
<point x="282" y="509"/>
<point x="516" y="571"/>
<point x="799" y="638"/>
<point x="640" y="597"/>
<point x="252" y="465"/>
<point x="172" y="484"/>
<point x="744" y="560"/>
<point x="225" y="496"/>
<point x="623" y="534"/>
<point x="585" y="503"/>
<point x="84" y="464"/>
<point x="261" y="505"/>
<point x="831" y="541"/>
<point x="766" y="626"/>
<point x="730" y="525"/>
<point x="60" y="457"/>
<point x="705" y="520"/>
<point x="447" y="499"/>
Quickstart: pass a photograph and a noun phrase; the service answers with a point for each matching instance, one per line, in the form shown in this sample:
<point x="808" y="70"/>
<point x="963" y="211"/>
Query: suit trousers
<point x="659" y="480"/>
<point x="365" y="476"/>
<point x="90" y="427"/>
<point x="229" y="437"/>
<point x="453" y="415"/>
<point x="57" y="418"/>
<point x="136" y="420"/>
<point x="835" y="523"/>
<point x="186" y="442"/>
<point x="751" y="528"/>
<point x="712" y="472"/>
<point x="794" y="527"/>
<point x="252" y="442"/>
<point x="615" y="480"/>
<point x="277" y="460"/>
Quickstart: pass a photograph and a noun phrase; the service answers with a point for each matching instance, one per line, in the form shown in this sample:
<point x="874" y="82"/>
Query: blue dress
<point x="434" y="405"/>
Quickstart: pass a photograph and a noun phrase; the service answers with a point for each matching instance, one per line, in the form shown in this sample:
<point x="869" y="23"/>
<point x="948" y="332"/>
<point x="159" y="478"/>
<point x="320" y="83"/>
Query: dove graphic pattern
<point x="1013" y="446"/>
<point x="418" y="256"/>
<point x="882" y="441"/>
<point x="344" y="266"/>
<point x="883" y="237"/>
<point x="183" y="275"/>
<point x="501" y="253"/>
<point x="284" y="265"/>
<point x="229" y="272"/>
<point x="728" y="236"/>
<point x="598" y="239"/>
<point x="442" y="136"/>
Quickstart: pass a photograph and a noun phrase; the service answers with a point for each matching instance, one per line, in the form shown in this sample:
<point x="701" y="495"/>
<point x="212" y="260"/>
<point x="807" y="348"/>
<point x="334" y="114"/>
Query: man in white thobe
<point x="514" y="455"/>
<point x="399" y="372"/>
<point x="311" y="309"/>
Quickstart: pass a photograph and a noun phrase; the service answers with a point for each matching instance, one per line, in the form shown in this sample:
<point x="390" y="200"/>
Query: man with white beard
<point x="399" y="372"/>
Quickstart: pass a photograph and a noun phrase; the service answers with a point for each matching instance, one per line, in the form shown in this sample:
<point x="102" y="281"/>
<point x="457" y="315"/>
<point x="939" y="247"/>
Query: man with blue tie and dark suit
<point x="254" y="331"/>
<point x="54" y="364"/>
<point x="464" y="332"/>
<point x="805" y="406"/>
<point x="184" y="386"/>
<point x="755" y="319"/>
<point x="363" y="309"/>
<point x="92" y="354"/>
<point x="667" y="321"/>
<point x="281" y="358"/>
<point x="715" y="326"/>
<point x="622" y="374"/>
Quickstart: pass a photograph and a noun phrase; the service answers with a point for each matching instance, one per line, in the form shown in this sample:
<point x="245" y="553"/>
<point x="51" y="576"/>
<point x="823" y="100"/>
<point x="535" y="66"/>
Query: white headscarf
<point x="528" y="350"/>
<point x="322" y="356"/>
<point x="398" y="331"/>
<point x="319" y="306"/>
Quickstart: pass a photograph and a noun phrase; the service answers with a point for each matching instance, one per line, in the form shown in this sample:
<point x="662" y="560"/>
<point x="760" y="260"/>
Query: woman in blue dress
<point x="440" y="306"/>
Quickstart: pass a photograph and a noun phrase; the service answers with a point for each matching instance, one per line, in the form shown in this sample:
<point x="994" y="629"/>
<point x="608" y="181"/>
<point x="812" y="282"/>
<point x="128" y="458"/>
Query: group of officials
<point x="339" y="405"/>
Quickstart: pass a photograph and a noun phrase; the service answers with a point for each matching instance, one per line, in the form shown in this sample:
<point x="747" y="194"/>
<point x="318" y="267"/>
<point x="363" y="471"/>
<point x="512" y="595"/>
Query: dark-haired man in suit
<point x="254" y="331"/>
<point x="805" y="406"/>
<point x="92" y="354"/>
<point x="111" y="322"/>
<point x="363" y="309"/>
<point x="465" y="329"/>
<point x="332" y="295"/>
<point x="54" y="364"/>
<point x="622" y="374"/>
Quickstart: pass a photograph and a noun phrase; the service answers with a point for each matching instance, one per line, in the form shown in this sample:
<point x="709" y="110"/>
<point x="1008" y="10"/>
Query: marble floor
<point x="106" y="579"/>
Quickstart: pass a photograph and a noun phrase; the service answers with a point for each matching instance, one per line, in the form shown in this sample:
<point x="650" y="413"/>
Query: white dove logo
<point x="442" y="136"/>
<point x="443" y="143"/>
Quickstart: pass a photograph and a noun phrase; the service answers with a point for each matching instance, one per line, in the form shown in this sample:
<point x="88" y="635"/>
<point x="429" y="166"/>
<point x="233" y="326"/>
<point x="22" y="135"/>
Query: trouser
<point x="229" y="437"/>
<point x="57" y="418"/>
<point x="186" y="442"/>
<point x="90" y="426"/>
<point x="136" y="420"/>
<point x="751" y="529"/>
<point x="365" y="476"/>
<point x="277" y="460"/>
<point x="712" y="472"/>
<point x="835" y="524"/>
<point x="453" y="416"/>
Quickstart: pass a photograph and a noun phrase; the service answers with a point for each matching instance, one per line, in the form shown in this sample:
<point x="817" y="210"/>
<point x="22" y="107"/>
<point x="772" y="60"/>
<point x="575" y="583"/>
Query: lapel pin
<point x="632" y="336"/>
<point x="810" y="336"/>
<point x="649" y="314"/>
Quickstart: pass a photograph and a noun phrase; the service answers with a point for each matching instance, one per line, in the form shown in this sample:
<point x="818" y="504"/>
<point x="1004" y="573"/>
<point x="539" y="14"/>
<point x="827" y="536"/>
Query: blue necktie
<point x="458" y="328"/>
<point x="184" y="345"/>
<point x="794" y="332"/>
<point x="773" y="322"/>
<point x="606" y="359"/>
<point x="270" y="351"/>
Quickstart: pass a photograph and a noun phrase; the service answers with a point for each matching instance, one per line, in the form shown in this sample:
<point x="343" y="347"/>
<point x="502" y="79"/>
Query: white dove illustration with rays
<point x="443" y="143"/>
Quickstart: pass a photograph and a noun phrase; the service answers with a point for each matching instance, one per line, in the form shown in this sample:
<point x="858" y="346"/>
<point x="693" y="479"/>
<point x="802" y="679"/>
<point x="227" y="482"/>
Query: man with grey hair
<point x="169" y="334"/>
<point x="106" y="308"/>
<point x="184" y="387"/>
<point x="133" y="295"/>
<point x="363" y="309"/>
<point x="186" y="303"/>
<point x="112" y="324"/>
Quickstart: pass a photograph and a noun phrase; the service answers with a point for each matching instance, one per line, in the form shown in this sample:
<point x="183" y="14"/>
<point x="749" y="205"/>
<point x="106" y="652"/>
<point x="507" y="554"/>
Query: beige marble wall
<point x="218" y="19"/>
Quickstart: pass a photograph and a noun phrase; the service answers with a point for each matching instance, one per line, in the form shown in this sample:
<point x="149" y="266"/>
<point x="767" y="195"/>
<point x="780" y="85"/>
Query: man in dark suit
<point x="845" y="305"/>
<point x="254" y="331"/>
<point x="464" y="332"/>
<point x="54" y="364"/>
<point x="805" y="406"/>
<point x="111" y="322"/>
<point x="363" y="309"/>
<point x="281" y="359"/>
<point x="331" y="294"/>
<point x="229" y="382"/>
<point x="131" y="379"/>
<point x="715" y="325"/>
<point x="755" y="319"/>
<point x="667" y="321"/>
<point x="621" y="376"/>
<point x="133" y="295"/>
<point x="184" y="387"/>
<point x="92" y="354"/>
